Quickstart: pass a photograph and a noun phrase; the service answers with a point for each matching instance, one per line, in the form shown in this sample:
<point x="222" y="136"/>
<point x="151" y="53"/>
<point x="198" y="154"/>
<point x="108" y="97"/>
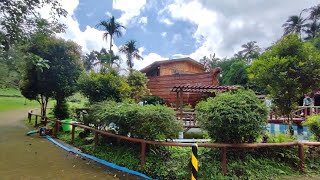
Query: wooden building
<point x="164" y="75"/>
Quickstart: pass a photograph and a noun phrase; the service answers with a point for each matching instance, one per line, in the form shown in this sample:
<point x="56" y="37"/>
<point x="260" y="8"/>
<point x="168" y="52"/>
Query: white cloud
<point x="164" y="34"/>
<point x="147" y="60"/>
<point x="108" y="14"/>
<point x="130" y="9"/>
<point x="223" y="26"/>
<point x="143" y="20"/>
<point x="176" y="38"/>
<point x="166" y="21"/>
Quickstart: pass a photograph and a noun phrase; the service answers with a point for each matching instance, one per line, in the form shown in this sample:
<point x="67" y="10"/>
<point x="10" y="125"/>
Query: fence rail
<point x="222" y="146"/>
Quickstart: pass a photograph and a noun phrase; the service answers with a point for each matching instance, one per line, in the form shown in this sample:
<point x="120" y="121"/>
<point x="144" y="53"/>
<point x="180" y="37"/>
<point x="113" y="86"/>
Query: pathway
<point x="32" y="157"/>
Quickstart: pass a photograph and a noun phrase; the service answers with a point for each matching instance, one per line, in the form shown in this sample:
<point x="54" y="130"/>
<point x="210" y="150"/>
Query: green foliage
<point x="236" y="75"/>
<point x="152" y="100"/>
<point x="288" y="70"/>
<point x="147" y="122"/>
<point x="233" y="117"/>
<point x="61" y="110"/>
<point x="280" y="138"/>
<point x="51" y="69"/>
<point x="174" y="162"/>
<point x="313" y="122"/>
<point x="138" y="83"/>
<point x="22" y="17"/>
<point x="99" y="87"/>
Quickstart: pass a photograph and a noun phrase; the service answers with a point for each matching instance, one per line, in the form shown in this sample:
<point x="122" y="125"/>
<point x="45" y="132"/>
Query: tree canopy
<point x="52" y="68"/>
<point x="288" y="70"/>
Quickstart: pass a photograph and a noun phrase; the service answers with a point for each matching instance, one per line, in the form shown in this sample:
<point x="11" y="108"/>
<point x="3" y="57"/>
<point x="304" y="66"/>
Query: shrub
<point x="148" y="122"/>
<point x="152" y="100"/>
<point x="233" y="117"/>
<point x="100" y="87"/>
<point x="138" y="84"/>
<point x="61" y="110"/>
<point x="313" y="122"/>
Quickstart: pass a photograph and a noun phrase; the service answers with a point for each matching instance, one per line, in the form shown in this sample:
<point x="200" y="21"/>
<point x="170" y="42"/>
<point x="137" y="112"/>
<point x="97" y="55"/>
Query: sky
<point x="168" y="29"/>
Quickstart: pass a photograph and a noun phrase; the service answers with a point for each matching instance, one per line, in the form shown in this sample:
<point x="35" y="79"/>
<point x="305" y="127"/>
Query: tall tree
<point x="288" y="70"/>
<point x="131" y="52"/>
<point x="89" y="60"/>
<point x="315" y="12"/>
<point x="312" y="29"/>
<point x="294" y="25"/>
<point x="210" y="62"/>
<point x="250" y="51"/>
<point x="19" y="17"/>
<point x="111" y="28"/>
<point x="51" y="71"/>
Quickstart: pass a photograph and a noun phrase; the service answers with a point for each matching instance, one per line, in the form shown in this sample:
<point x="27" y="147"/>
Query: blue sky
<point x="166" y="29"/>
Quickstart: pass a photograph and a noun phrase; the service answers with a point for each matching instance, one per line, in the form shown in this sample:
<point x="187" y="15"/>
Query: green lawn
<point x="11" y="103"/>
<point x="10" y="92"/>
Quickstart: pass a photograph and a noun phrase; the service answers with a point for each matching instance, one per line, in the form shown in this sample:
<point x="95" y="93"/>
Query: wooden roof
<point x="158" y="63"/>
<point x="202" y="89"/>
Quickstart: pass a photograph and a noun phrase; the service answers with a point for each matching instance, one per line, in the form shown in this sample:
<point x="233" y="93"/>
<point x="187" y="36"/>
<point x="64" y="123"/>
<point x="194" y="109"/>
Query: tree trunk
<point x="291" y="130"/>
<point x="110" y="42"/>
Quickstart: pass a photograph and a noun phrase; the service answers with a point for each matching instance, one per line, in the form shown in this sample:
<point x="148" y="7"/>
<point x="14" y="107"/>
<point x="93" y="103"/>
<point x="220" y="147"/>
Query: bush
<point x="233" y="117"/>
<point x="138" y="84"/>
<point x="61" y="110"/>
<point x="147" y="122"/>
<point x="313" y="122"/>
<point x="152" y="100"/>
<point x="100" y="87"/>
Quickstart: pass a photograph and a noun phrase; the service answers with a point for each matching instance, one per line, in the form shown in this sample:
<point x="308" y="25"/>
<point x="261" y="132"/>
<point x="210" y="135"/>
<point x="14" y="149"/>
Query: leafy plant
<point x="100" y="87"/>
<point x="152" y="100"/>
<point x="147" y="122"/>
<point x="233" y="117"/>
<point x="313" y="122"/>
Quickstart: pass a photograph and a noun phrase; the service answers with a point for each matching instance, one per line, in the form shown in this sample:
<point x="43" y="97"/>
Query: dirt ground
<point x="32" y="157"/>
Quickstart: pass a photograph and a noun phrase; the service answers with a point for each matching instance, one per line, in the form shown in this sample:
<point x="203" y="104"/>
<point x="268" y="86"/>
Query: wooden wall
<point x="162" y="85"/>
<point x="183" y="67"/>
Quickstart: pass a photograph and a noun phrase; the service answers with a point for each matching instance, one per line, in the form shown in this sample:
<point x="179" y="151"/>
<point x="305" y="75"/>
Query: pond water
<point x="301" y="132"/>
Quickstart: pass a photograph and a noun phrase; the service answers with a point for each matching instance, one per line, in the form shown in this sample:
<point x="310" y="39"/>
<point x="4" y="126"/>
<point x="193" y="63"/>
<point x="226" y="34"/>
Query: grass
<point x="11" y="99"/>
<point x="10" y="92"/>
<point x="12" y="103"/>
<point x="174" y="162"/>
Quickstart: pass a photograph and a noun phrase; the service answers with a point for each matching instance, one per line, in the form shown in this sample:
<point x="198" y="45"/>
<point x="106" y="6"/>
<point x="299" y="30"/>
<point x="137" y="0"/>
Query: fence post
<point x="224" y="160"/>
<point x="72" y="134"/>
<point x="29" y="117"/>
<point x="143" y="155"/>
<point x="96" y="138"/>
<point x="194" y="162"/>
<point x="56" y="126"/>
<point x="36" y="121"/>
<point x="301" y="157"/>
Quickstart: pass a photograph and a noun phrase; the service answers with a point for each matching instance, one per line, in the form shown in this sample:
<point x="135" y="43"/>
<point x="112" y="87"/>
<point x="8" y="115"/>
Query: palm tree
<point x="131" y="51"/>
<point x="315" y="12"/>
<point x="106" y="60"/>
<point x="294" y="24"/>
<point x="111" y="27"/>
<point x="89" y="60"/>
<point x="210" y="62"/>
<point x="250" y="51"/>
<point x="312" y="29"/>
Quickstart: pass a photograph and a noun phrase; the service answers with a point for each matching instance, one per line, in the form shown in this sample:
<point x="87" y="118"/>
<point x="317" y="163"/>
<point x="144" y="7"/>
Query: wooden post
<point x="177" y="101"/>
<point x="96" y="138"/>
<point x="29" y="116"/>
<point x="305" y="111"/>
<point x="36" y="121"/>
<point x="224" y="160"/>
<point x="72" y="134"/>
<point x="143" y="155"/>
<point x="301" y="157"/>
<point x="181" y="105"/>
<point x="56" y="126"/>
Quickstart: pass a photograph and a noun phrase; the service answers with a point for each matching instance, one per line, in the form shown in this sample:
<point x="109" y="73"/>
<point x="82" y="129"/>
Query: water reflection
<point x="301" y="132"/>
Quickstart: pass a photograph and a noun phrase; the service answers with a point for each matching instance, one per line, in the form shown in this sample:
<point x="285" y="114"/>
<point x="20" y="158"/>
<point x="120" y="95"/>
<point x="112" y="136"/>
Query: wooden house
<point x="164" y="75"/>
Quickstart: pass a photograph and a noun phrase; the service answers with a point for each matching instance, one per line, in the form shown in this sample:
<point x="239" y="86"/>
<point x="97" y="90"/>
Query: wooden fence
<point x="143" y="143"/>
